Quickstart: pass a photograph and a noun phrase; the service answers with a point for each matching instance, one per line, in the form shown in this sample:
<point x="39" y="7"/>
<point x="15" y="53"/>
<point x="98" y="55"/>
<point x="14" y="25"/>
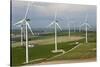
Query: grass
<point x="44" y="51"/>
<point x="84" y="51"/>
<point x="40" y="51"/>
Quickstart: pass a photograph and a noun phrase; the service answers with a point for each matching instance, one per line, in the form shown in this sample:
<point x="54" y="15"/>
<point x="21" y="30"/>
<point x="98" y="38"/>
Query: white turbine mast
<point x="54" y="22"/>
<point x="86" y="27"/>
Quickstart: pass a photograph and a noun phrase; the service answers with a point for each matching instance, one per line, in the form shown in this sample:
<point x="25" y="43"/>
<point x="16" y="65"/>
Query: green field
<point x="84" y="51"/>
<point x="45" y="44"/>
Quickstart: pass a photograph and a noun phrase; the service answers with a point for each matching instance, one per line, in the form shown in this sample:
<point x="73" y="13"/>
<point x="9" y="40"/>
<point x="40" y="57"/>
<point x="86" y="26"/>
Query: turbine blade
<point x="58" y="26"/>
<point x="29" y="28"/>
<point x="27" y="10"/>
<point x="83" y="24"/>
<point x="38" y="6"/>
<point x="19" y="22"/>
<point x="50" y="24"/>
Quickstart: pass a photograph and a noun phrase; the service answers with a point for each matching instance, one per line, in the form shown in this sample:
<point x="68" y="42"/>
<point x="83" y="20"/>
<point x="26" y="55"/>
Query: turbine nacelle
<point x="24" y="22"/>
<point x="55" y="23"/>
<point x="86" y="24"/>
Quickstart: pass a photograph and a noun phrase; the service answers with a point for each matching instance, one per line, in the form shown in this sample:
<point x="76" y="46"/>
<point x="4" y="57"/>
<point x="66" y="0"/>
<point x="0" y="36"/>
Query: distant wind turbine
<point x="74" y="28"/>
<point x="79" y="27"/>
<point x="86" y="26"/>
<point x="21" y="28"/>
<point x="68" y="29"/>
<point x="68" y="25"/>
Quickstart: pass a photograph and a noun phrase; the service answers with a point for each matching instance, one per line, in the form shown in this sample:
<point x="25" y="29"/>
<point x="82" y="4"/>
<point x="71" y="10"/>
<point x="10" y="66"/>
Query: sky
<point x="41" y="14"/>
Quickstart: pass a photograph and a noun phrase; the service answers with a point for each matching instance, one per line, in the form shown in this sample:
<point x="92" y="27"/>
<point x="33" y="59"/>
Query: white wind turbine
<point x="54" y="22"/>
<point x="68" y="29"/>
<point x="80" y="27"/>
<point x="25" y="22"/>
<point x="21" y="28"/>
<point x="68" y="25"/>
<point x="74" y="26"/>
<point x="86" y="27"/>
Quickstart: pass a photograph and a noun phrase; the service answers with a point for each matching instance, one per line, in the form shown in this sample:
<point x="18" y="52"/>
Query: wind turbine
<point x="55" y="23"/>
<point x="86" y="26"/>
<point x="80" y="27"/>
<point x="21" y="28"/>
<point x="68" y="25"/>
<point x="25" y="22"/>
<point x="74" y="28"/>
<point x="68" y="29"/>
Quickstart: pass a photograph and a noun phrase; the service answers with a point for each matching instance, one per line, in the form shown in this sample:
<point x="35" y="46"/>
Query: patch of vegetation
<point x="84" y="51"/>
<point x="44" y="51"/>
<point x="39" y="51"/>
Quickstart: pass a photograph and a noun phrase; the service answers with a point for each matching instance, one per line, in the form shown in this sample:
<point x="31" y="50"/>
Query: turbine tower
<point x="55" y="23"/>
<point x="86" y="27"/>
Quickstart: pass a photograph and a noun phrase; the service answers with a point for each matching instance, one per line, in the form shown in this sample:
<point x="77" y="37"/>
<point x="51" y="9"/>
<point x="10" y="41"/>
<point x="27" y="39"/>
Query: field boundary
<point x="64" y="53"/>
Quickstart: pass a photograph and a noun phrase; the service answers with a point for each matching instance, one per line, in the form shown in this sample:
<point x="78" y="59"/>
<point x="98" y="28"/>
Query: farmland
<point x="44" y="44"/>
